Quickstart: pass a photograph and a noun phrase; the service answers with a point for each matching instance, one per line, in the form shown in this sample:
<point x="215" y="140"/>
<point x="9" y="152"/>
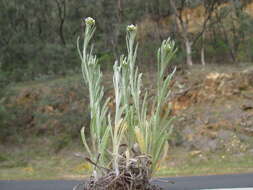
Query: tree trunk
<point x="232" y="55"/>
<point x="203" y="62"/>
<point x="61" y="5"/>
<point x="188" y="46"/>
<point x="202" y="51"/>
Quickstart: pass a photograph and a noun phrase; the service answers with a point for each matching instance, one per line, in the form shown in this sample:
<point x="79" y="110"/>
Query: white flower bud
<point x="124" y="63"/>
<point x="89" y="21"/>
<point x="131" y="28"/>
<point x="169" y="45"/>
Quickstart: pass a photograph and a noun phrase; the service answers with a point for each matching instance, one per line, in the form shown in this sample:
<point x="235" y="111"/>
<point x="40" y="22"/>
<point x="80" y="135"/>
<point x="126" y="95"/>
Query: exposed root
<point x="134" y="174"/>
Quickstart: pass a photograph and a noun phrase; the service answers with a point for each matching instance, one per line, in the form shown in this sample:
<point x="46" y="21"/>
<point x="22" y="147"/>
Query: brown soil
<point x="213" y="105"/>
<point x="215" y="110"/>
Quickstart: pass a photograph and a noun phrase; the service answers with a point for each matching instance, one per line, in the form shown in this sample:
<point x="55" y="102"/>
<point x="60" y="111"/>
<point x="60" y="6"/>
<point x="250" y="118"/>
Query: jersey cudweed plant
<point x="125" y="148"/>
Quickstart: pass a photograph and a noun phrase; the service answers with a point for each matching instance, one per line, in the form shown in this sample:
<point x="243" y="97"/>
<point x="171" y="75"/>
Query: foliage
<point x="99" y="132"/>
<point x="45" y="109"/>
<point x="133" y="130"/>
<point x="38" y="38"/>
<point x="5" y="131"/>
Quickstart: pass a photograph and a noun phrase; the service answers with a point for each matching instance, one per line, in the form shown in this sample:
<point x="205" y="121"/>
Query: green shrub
<point x="4" y="117"/>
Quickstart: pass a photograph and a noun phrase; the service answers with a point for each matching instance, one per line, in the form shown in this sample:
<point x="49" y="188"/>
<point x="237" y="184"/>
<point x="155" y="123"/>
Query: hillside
<point x="214" y="121"/>
<point x="44" y="102"/>
<point x="196" y="16"/>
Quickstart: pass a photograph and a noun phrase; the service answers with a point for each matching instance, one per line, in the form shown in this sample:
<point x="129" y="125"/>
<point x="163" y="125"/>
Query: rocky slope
<point x="215" y="112"/>
<point x="214" y="109"/>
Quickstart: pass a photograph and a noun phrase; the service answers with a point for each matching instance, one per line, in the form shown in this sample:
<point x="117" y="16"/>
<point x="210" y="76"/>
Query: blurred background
<point x="44" y="102"/>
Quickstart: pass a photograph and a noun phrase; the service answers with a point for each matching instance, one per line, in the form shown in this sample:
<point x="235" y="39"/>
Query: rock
<point x="239" y="155"/>
<point x="247" y="107"/>
<point x="205" y="144"/>
<point x="244" y="138"/>
<point x="195" y="152"/>
<point x="213" y="145"/>
<point x="250" y="151"/>
<point x="225" y="135"/>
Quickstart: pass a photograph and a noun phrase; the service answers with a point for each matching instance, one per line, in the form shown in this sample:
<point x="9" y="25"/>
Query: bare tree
<point x="61" y="7"/>
<point x="182" y="20"/>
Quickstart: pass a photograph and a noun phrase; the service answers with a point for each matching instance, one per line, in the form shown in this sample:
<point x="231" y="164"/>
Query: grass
<point x="38" y="161"/>
<point x="220" y="163"/>
<point x="53" y="167"/>
<point x="44" y="165"/>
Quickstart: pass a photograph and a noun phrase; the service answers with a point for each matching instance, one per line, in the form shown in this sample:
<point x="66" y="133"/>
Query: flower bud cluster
<point x="169" y="45"/>
<point x="131" y="28"/>
<point x="89" y="21"/>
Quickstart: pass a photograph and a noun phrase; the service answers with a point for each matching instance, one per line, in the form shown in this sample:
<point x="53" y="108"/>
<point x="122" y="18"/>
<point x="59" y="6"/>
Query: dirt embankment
<point x="214" y="109"/>
<point x="56" y="108"/>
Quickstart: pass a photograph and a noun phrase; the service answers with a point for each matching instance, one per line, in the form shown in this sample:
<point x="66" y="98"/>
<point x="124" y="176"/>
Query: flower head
<point x="89" y="21"/>
<point x="169" y="45"/>
<point x="131" y="28"/>
<point x="124" y="63"/>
